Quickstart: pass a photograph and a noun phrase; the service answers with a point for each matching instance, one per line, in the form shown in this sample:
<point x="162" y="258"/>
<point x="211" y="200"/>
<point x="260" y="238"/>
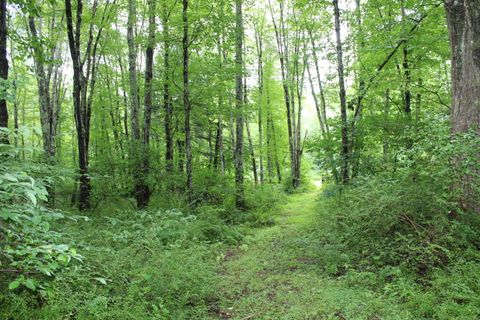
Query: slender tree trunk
<point x="186" y="101"/>
<point x="386" y="112"/>
<point x="48" y="115"/>
<point x="275" y="152"/>
<point x="299" y="77"/>
<point x="167" y="103"/>
<point x="79" y="83"/>
<point x="219" y="161"/>
<point x="15" y="116"/>
<point x="259" y="44"/>
<point x="15" y="101"/>
<point x="317" y="105"/>
<point x="343" y="103"/>
<point x="407" y="95"/>
<point x="323" y="104"/>
<point x="3" y="70"/>
<point x="132" y="71"/>
<point x="249" y="136"/>
<point x="356" y="138"/>
<point x="252" y="153"/>
<point x="141" y="191"/>
<point x="463" y="20"/>
<point x="239" y="99"/>
<point x="269" y="141"/>
<point x="283" y="55"/>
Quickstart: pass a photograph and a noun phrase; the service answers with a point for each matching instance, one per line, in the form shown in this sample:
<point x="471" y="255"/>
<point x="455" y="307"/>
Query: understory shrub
<point x="404" y="232"/>
<point x="32" y="249"/>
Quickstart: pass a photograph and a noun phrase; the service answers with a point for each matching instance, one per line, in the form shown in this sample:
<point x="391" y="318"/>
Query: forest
<point x="239" y="159"/>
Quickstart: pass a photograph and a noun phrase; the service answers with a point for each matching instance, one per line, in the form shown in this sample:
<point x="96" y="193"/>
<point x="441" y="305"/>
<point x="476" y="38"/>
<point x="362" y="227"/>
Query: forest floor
<point x="271" y="275"/>
<point x="278" y="273"/>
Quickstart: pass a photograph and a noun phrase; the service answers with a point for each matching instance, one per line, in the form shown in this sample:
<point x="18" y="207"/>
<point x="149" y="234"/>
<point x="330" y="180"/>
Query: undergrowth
<point x="153" y="264"/>
<point x="404" y="235"/>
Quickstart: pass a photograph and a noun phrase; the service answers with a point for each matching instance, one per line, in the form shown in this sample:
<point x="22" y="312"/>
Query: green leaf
<point x="9" y="177"/>
<point x="36" y="220"/>
<point x="14" y="284"/>
<point x="31" y="196"/>
<point x="30" y="284"/>
<point x="101" y="280"/>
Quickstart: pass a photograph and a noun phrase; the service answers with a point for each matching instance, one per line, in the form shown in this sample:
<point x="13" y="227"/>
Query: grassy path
<point x="280" y="273"/>
<point x="273" y="275"/>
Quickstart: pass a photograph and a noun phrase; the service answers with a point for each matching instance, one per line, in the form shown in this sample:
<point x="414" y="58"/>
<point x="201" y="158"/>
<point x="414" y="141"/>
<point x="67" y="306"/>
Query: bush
<point x="32" y="250"/>
<point x="404" y="234"/>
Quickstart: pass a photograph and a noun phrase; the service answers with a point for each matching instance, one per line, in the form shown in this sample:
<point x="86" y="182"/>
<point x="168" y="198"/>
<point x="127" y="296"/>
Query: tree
<point x="239" y="99"/>
<point x="343" y="99"/>
<point x="140" y="141"/>
<point x="84" y="76"/>
<point x="49" y="82"/>
<point x="463" y="20"/>
<point x="3" y="70"/>
<point x="186" y="101"/>
<point x="167" y="103"/>
<point x="291" y="82"/>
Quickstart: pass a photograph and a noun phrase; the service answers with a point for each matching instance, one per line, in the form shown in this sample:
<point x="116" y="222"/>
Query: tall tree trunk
<point x="83" y="86"/>
<point x="356" y="138"/>
<point x="259" y="45"/>
<point x="299" y="79"/>
<point x="239" y="192"/>
<point x="323" y="103"/>
<point x="463" y="20"/>
<point x="315" y="100"/>
<point x="3" y="70"/>
<point x="79" y="83"/>
<point x="407" y="95"/>
<point x="283" y="56"/>
<point x="275" y="152"/>
<point x="48" y="115"/>
<point x="132" y="71"/>
<point x="186" y="101"/>
<point x="167" y="103"/>
<point x="386" y="111"/>
<point x="218" y="160"/>
<point x="252" y="153"/>
<point x="343" y="103"/>
<point x="141" y="191"/>
<point x="269" y="141"/>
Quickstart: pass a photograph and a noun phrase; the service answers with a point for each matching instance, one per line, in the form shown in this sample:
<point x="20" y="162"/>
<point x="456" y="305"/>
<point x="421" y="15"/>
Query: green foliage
<point x="145" y="264"/>
<point x="403" y="232"/>
<point x="32" y="249"/>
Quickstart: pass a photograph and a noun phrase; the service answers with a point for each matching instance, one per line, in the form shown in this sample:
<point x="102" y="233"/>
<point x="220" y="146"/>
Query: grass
<point x="279" y="273"/>
<point x="173" y="265"/>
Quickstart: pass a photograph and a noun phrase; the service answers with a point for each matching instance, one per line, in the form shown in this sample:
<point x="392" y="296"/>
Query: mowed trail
<point x="284" y="272"/>
<point x="273" y="275"/>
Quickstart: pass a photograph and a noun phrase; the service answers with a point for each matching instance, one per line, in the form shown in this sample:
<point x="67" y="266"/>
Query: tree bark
<point x="252" y="153"/>
<point x="83" y="87"/>
<point x="288" y="96"/>
<point x="343" y="103"/>
<point x="79" y="83"/>
<point x="167" y="103"/>
<point x="3" y="71"/>
<point x="186" y="101"/>
<point x="463" y="20"/>
<point x="323" y="104"/>
<point x="239" y="99"/>
<point x="143" y="196"/>
<point x="47" y="98"/>
<point x="141" y="191"/>
<point x="259" y="45"/>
